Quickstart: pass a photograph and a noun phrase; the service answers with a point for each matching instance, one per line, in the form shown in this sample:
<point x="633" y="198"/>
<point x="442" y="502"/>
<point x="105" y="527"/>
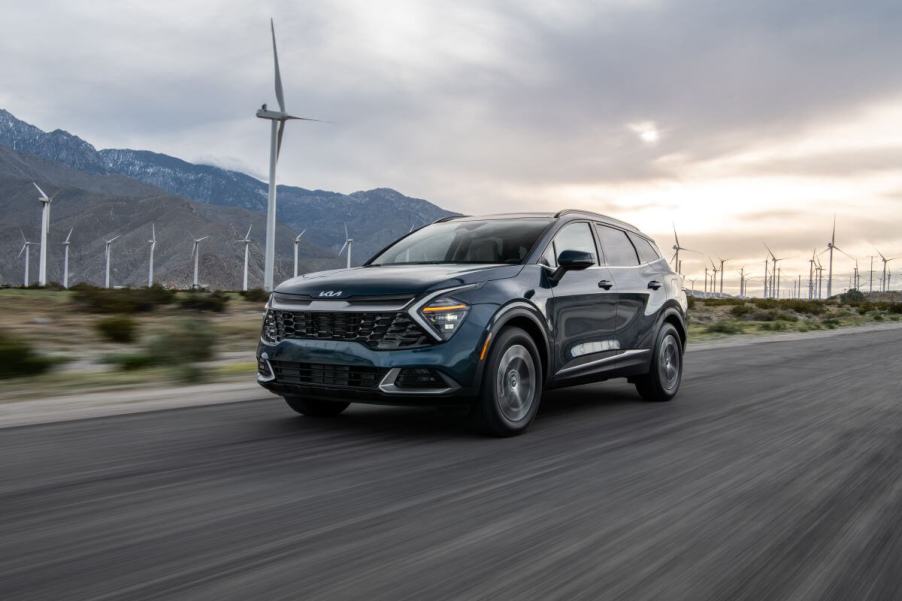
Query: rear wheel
<point x="662" y="382"/>
<point x="512" y="385"/>
<point x="314" y="407"/>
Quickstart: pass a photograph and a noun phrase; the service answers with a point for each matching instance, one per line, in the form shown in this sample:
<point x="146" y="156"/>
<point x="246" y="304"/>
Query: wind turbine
<point x="722" y="261"/>
<point x="883" y="281"/>
<point x="108" y="252"/>
<point x="66" y="260"/>
<point x="297" y="242"/>
<point x="247" y="242"/>
<point x="713" y="277"/>
<point x="45" y="230"/>
<point x="153" y="246"/>
<point x="26" y="249"/>
<point x="195" y="252"/>
<point x="677" y="247"/>
<point x="349" y="242"/>
<point x="830" y="246"/>
<point x="775" y="289"/>
<point x="277" y="129"/>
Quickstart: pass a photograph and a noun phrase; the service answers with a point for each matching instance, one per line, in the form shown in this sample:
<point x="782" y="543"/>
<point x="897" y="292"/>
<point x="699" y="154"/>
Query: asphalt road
<point x="777" y="474"/>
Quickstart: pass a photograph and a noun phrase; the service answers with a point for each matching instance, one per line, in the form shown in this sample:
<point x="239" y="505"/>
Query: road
<point x="777" y="474"/>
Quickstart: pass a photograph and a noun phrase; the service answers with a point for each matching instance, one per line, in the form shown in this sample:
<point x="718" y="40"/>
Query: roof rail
<point x="594" y="215"/>
<point x="448" y="218"/>
<point x="563" y="212"/>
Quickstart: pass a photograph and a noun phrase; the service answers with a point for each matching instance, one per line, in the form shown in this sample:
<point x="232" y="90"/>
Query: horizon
<point x="743" y="126"/>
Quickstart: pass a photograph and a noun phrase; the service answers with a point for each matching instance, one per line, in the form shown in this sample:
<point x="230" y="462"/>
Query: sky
<point x="741" y="123"/>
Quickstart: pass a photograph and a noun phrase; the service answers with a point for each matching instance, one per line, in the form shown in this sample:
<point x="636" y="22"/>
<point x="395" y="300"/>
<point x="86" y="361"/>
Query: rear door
<point x="637" y="270"/>
<point x="583" y="308"/>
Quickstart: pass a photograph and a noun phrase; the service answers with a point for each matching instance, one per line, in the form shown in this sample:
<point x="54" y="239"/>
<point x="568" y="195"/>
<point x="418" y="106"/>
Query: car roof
<point x="567" y="214"/>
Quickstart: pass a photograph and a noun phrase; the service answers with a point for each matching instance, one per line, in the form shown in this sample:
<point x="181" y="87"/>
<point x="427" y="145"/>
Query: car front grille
<point x="326" y="375"/>
<point x="382" y="331"/>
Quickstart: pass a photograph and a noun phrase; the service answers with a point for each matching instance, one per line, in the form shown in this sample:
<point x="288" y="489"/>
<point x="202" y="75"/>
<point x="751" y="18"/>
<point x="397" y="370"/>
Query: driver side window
<point x="574" y="236"/>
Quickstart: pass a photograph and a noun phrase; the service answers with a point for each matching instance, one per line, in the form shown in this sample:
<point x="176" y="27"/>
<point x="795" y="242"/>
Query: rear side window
<point x="647" y="252"/>
<point x="617" y="248"/>
<point x="573" y="236"/>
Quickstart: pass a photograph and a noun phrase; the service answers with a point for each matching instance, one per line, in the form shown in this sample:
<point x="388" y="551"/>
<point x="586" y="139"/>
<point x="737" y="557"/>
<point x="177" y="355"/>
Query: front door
<point x="583" y="307"/>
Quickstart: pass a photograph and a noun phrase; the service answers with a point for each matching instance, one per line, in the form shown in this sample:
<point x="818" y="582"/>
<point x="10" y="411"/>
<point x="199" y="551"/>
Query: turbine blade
<point x="280" y="95"/>
<point x="69" y="235"/>
<point x="24" y="246"/>
<point x="247" y="235"/>
<point x="43" y="194"/>
<point x="153" y="233"/>
<point x="346" y="232"/>
<point x="675" y="237"/>
<point x="279" y="139"/>
<point x="343" y="247"/>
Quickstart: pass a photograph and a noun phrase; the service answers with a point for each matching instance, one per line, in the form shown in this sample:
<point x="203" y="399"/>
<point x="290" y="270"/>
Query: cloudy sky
<point x="740" y="122"/>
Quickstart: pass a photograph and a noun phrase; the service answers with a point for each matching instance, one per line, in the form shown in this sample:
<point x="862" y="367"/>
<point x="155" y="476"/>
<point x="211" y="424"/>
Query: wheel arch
<point x="525" y="317"/>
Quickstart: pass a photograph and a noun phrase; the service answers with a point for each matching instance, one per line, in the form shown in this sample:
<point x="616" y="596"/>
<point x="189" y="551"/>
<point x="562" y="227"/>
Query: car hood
<point x="392" y="280"/>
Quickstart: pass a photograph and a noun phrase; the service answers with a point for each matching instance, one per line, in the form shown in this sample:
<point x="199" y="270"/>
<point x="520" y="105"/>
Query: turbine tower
<point x="722" y="261"/>
<point x="348" y="243"/>
<point x="297" y="242"/>
<point x="66" y="260"/>
<point x="26" y="250"/>
<point x="45" y="230"/>
<point x="153" y="246"/>
<point x="108" y="252"/>
<point x="247" y="242"/>
<point x="277" y="129"/>
<point x="775" y="284"/>
<point x="195" y="252"/>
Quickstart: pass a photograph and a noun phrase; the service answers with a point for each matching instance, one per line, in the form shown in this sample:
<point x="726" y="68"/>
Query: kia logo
<point x="330" y="293"/>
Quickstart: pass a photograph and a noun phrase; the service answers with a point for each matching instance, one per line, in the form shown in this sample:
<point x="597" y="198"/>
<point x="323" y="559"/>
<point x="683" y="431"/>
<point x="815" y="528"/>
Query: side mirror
<point x="571" y="260"/>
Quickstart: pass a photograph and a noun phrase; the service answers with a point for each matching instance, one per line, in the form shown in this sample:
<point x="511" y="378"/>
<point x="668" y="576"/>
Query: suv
<point x="486" y="312"/>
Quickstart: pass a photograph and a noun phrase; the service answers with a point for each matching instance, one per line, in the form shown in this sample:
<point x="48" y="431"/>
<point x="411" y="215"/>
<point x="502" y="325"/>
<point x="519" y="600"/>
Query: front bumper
<point x="353" y="372"/>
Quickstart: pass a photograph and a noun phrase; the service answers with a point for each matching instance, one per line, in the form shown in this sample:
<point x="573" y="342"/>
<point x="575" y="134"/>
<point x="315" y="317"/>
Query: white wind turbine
<point x="45" y="230"/>
<point x="349" y="242"/>
<point x="882" y="281"/>
<point x="677" y="247"/>
<point x="297" y="242"/>
<point x="66" y="260"/>
<point x="278" y="119"/>
<point x="108" y="253"/>
<point x="830" y="246"/>
<point x="153" y="247"/>
<point x="26" y="250"/>
<point x="195" y="252"/>
<point x="247" y="242"/>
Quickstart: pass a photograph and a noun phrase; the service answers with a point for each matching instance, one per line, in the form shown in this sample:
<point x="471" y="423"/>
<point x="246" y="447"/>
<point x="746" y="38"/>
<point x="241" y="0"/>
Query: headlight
<point x="444" y="315"/>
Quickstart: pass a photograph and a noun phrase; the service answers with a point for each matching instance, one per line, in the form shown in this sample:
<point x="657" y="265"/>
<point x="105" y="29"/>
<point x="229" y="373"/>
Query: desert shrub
<point x="773" y="326"/>
<point x="830" y="323"/>
<point x="769" y="315"/>
<point x="119" y="328"/>
<point x="204" y="301"/>
<point x="742" y="310"/>
<point x="877" y="317"/>
<point x="765" y="303"/>
<point x="724" y="327"/>
<point x="895" y="308"/>
<point x="787" y="316"/>
<point x="256" y="295"/>
<point x="809" y="307"/>
<point x="120" y="300"/>
<point x="723" y="302"/>
<point x="852" y="297"/>
<point x="18" y="358"/>
<point x="181" y="347"/>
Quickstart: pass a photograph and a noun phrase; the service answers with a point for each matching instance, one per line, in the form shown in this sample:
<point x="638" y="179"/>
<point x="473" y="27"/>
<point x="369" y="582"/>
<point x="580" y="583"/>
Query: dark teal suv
<point x="486" y="312"/>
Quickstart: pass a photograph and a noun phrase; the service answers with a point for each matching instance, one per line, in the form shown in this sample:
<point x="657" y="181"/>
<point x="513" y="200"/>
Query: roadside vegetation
<point x="94" y="338"/>
<point x="715" y="318"/>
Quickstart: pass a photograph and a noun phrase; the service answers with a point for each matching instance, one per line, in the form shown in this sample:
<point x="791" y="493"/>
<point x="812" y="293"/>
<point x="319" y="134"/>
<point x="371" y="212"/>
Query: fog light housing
<point x="419" y="378"/>
<point x="264" y="369"/>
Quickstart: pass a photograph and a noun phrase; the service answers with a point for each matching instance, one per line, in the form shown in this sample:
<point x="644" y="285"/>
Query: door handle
<point x="654" y="285"/>
<point x="606" y="284"/>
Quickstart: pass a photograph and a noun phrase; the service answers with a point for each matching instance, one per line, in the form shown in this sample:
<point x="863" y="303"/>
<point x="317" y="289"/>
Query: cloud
<point x="703" y="112"/>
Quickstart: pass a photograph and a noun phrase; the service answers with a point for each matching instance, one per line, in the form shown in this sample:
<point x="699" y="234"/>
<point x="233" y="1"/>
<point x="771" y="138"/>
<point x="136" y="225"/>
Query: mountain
<point x="374" y="217"/>
<point x="100" y="206"/>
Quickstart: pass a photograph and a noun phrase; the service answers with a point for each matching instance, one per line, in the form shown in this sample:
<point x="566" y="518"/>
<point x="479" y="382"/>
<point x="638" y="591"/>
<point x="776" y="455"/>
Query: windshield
<point x="488" y="241"/>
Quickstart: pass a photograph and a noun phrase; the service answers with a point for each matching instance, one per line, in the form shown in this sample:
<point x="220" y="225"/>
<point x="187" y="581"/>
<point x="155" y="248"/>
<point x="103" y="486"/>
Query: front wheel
<point x="314" y="407"/>
<point x="512" y="385"/>
<point x="662" y="382"/>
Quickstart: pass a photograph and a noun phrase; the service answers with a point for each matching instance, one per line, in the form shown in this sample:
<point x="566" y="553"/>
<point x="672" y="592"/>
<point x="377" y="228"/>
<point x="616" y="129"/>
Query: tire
<point x="314" y="407"/>
<point x="511" y="387"/>
<point x="662" y="382"/>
